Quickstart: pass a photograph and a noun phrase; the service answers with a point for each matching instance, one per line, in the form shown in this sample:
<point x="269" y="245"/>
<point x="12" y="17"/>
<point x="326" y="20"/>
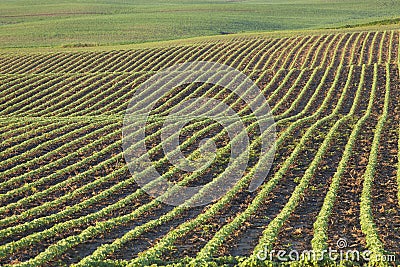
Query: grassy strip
<point x="373" y="23"/>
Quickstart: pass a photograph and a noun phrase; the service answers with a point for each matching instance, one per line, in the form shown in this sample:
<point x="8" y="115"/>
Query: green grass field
<point x="28" y="23"/>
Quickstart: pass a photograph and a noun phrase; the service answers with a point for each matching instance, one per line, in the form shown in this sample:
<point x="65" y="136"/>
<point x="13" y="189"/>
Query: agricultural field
<point x="67" y="196"/>
<point x="38" y="23"/>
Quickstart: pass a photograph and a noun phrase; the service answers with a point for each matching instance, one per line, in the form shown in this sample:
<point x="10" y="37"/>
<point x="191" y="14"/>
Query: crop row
<point x="287" y="53"/>
<point x="62" y="168"/>
<point x="14" y="245"/>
